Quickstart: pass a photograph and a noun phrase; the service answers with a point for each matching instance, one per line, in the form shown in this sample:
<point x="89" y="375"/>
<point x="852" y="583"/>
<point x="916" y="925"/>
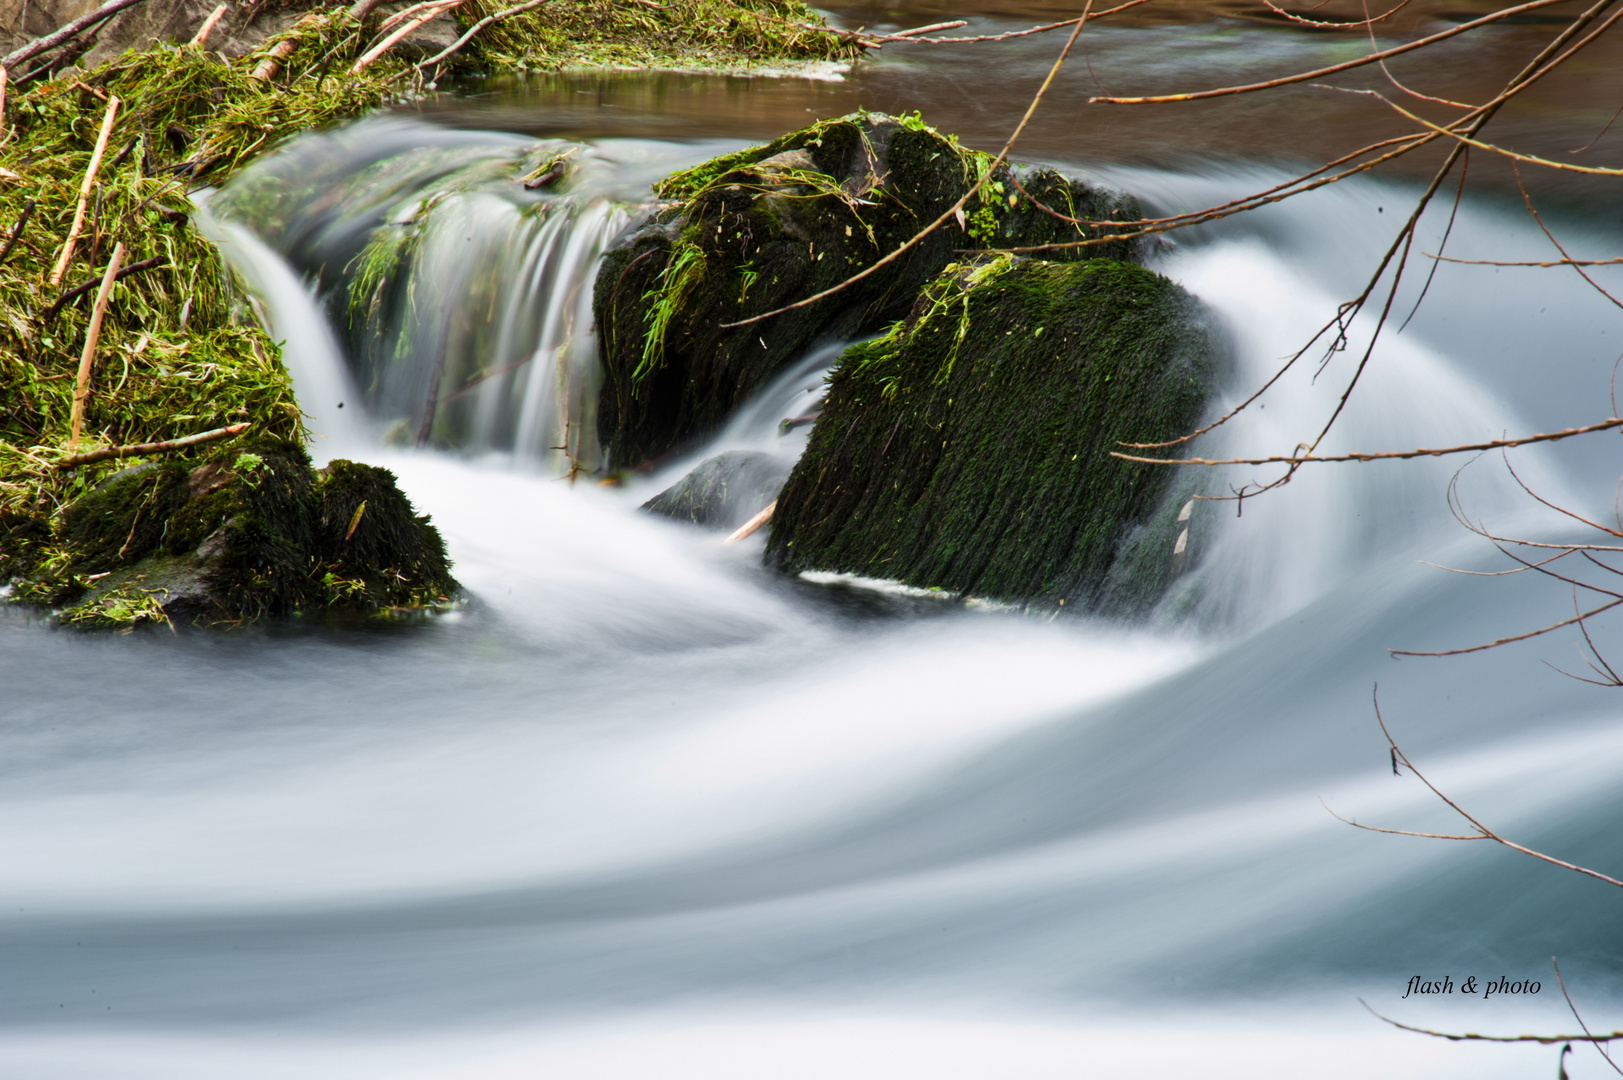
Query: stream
<point x="644" y="807"/>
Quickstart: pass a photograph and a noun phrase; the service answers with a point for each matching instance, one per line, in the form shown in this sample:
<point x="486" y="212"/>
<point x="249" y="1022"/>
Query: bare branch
<point x="1306" y="76"/>
<point x="957" y="206"/>
<point x="1471" y="1036"/>
<point x="1304" y="459"/>
<point x="65" y="33"/>
<point x="1512" y="640"/>
<point x="1596" y="1043"/>
<point x="144" y="449"/>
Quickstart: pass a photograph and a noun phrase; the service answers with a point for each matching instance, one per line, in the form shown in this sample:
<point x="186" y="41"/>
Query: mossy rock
<point x="234" y="536"/>
<point x="725" y="491"/>
<point x="968" y="448"/>
<point x="755" y="230"/>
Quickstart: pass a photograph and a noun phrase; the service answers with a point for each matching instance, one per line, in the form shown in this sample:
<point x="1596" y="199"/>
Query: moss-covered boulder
<point x="725" y="491"/>
<point x="755" y="230"/>
<point x="968" y="448"/>
<point x="234" y="536"/>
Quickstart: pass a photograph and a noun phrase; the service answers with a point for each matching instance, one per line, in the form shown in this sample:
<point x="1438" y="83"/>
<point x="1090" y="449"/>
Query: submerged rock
<point x="725" y="491"/>
<point x="755" y="230"/>
<point x="241" y="534"/>
<point x="968" y="448"/>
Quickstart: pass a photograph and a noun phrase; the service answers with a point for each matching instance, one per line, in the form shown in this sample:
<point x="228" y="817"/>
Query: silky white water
<point x="644" y="806"/>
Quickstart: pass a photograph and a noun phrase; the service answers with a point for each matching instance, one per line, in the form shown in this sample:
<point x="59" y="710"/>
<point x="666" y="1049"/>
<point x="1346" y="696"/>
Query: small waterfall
<point x="459" y="288"/>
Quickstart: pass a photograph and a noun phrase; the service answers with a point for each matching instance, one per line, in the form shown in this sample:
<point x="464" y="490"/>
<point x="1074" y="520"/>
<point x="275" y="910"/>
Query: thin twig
<point x="65" y="33"/>
<point x="84" y="191"/>
<point x="1562" y="983"/>
<point x="82" y="384"/>
<point x="1011" y="34"/>
<point x="1306" y="76"/>
<point x="1398" y="756"/>
<point x="79" y="290"/>
<point x="17" y="231"/>
<point x="1552" y="262"/>
<point x="956" y="207"/>
<point x="145" y="449"/>
<point x="1303" y="459"/>
<point x="208" y="25"/>
<point x="429" y="12"/>
<point x="1471" y="1036"/>
<point x="488" y="20"/>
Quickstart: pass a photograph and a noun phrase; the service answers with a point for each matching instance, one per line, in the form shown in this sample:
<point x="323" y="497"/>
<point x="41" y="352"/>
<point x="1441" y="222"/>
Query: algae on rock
<point x="755" y="230"/>
<point x="180" y="351"/>
<point x="244" y="532"/>
<point x="725" y="491"/>
<point x="968" y="448"/>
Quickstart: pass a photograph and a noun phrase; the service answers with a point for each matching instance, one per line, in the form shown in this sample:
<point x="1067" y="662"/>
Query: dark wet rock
<point x="725" y="491"/>
<point x="752" y="231"/>
<point x="244" y="533"/>
<point x="968" y="449"/>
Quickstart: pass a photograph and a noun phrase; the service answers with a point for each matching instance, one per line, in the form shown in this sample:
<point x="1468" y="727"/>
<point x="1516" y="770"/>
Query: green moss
<point x="768" y="226"/>
<point x="968" y="448"/>
<point x="180" y="351"/>
<point x="681" y="34"/>
<point x="237" y="535"/>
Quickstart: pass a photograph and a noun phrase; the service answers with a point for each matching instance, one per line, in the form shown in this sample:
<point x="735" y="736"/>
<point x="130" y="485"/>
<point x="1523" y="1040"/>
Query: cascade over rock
<point x="235" y="535"/>
<point x="752" y="231"/>
<point x="968" y="448"/>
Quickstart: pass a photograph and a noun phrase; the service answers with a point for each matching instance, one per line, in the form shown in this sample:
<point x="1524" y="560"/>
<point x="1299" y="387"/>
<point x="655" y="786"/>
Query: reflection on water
<point x="979" y="91"/>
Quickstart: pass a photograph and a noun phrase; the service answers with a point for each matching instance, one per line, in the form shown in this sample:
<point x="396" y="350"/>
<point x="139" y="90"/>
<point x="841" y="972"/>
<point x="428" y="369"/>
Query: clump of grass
<point x="707" y="34"/>
<point x="179" y="350"/>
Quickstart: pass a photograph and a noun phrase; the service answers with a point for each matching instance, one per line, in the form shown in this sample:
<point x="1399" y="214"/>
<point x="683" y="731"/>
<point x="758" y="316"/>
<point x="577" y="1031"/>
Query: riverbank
<point x="123" y="337"/>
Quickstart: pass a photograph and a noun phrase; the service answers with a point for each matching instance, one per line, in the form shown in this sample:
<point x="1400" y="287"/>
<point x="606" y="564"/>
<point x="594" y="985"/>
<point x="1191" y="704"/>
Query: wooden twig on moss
<point x="208" y="25"/>
<point x="146" y="449"/>
<point x="17" y="231"/>
<point x="267" y="68"/>
<point x="82" y="386"/>
<point x="65" y="33"/>
<point x="473" y="31"/>
<point x="79" y="290"/>
<point x="84" y="192"/>
<point x="427" y="13"/>
<point x="953" y="211"/>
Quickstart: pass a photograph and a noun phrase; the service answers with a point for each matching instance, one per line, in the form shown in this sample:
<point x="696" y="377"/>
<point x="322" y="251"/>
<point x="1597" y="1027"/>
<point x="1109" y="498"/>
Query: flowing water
<point x="644" y="807"/>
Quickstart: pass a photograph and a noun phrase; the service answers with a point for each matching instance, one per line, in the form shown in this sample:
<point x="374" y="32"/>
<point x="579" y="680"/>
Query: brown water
<point x="979" y="91"/>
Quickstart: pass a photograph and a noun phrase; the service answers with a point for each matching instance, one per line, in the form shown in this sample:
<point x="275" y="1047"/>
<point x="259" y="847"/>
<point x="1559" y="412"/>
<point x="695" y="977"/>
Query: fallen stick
<point x="3" y="74"/>
<point x="752" y="524"/>
<point x="146" y="448"/>
<point x="84" y="192"/>
<point x="405" y="13"/>
<point x="267" y="68"/>
<point x="473" y="30"/>
<point x="434" y="12"/>
<point x="82" y="386"/>
<point x="71" y="30"/>
<point x="903" y="35"/>
<point x="79" y="290"/>
<point x="208" y="24"/>
<point x="16" y="233"/>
